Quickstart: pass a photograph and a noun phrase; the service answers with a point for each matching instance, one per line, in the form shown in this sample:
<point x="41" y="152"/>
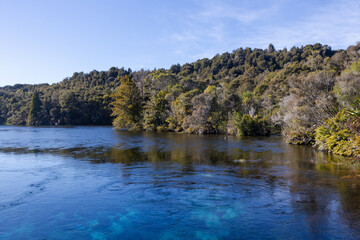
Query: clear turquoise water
<point x="96" y="183"/>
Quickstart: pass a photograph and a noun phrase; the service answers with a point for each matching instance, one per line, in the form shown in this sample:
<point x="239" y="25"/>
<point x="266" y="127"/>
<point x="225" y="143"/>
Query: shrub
<point x="335" y="135"/>
<point x="252" y="126"/>
<point x="299" y="136"/>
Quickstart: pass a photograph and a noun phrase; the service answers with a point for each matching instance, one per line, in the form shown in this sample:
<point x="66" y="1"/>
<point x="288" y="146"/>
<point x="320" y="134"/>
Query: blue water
<point x="97" y="183"/>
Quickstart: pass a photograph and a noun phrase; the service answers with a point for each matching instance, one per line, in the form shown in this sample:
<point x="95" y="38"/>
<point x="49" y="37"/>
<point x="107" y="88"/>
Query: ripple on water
<point x="168" y="186"/>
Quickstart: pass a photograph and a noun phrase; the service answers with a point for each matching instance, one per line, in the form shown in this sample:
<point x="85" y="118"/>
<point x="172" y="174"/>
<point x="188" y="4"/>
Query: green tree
<point x="34" y="117"/>
<point x="156" y="112"/>
<point x="73" y="109"/>
<point x="127" y="105"/>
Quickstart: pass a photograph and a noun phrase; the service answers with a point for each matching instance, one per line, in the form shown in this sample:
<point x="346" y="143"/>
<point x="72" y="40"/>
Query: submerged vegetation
<point x="310" y="93"/>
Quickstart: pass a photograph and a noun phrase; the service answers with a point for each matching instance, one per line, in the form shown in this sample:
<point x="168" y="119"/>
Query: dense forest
<point x="310" y="94"/>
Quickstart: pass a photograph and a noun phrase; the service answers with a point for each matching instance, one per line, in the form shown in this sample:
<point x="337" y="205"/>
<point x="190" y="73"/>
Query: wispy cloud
<point x="218" y="26"/>
<point x="337" y="25"/>
<point x="221" y="10"/>
<point x="184" y="36"/>
<point x="210" y="29"/>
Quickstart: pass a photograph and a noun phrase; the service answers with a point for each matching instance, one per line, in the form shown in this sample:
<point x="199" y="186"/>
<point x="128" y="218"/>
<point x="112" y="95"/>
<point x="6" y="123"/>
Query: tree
<point x="271" y="48"/>
<point x="73" y="109"/>
<point x="207" y="112"/>
<point x="34" y="117"/>
<point x="310" y="102"/>
<point x="127" y="105"/>
<point x="156" y="112"/>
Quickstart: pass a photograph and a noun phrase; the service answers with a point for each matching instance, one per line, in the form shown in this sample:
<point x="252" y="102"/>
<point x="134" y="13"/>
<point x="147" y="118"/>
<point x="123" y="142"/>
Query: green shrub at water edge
<point x="252" y="126"/>
<point x="300" y="136"/>
<point x="336" y="136"/>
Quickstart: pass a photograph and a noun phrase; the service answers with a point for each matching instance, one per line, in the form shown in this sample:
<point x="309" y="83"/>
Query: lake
<point x="97" y="183"/>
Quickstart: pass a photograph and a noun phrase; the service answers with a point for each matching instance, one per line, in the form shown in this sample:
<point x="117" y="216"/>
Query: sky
<point x="44" y="41"/>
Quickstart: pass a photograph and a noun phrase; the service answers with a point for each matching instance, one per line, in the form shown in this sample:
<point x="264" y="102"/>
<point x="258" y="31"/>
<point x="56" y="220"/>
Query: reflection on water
<point x="96" y="183"/>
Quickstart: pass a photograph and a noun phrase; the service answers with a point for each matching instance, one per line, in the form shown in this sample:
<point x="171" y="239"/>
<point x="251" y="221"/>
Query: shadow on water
<point x="324" y="188"/>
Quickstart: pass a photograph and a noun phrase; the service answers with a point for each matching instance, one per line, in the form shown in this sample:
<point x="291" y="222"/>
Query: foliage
<point x="299" y="137"/>
<point x="338" y="136"/>
<point x="34" y="109"/>
<point x="127" y="106"/>
<point x="310" y="102"/>
<point x="156" y="110"/>
<point x="252" y="126"/>
<point x="246" y="92"/>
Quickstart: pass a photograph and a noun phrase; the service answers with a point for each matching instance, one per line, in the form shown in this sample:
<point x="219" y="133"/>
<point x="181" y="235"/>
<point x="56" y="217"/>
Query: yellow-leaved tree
<point x="127" y="107"/>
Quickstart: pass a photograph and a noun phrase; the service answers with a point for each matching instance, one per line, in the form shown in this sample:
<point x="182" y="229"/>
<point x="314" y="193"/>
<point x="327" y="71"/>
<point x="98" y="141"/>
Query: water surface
<point x="96" y="183"/>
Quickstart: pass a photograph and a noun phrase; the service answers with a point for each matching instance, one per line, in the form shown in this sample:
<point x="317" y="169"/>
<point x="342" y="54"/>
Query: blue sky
<point x="44" y="41"/>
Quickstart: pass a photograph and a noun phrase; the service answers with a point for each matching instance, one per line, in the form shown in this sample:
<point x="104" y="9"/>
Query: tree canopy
<point x="127" y="105"/>
<point x="34" y="117"/>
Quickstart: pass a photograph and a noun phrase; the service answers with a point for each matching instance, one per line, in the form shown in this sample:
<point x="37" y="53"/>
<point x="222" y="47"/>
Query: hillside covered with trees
<point x="311" y="94"/>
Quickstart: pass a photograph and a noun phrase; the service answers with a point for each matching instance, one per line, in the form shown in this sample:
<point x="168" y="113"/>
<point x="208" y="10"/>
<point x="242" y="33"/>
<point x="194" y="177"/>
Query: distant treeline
<point x="310" y="93"/>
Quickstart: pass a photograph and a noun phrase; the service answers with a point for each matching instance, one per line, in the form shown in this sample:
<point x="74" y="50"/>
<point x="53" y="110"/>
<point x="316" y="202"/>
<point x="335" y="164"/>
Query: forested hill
<point x="248" y="92"/>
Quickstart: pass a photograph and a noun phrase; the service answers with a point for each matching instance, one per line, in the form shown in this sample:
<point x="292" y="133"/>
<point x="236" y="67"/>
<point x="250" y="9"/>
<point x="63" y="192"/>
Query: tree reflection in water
<point x="293" y="182"/>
